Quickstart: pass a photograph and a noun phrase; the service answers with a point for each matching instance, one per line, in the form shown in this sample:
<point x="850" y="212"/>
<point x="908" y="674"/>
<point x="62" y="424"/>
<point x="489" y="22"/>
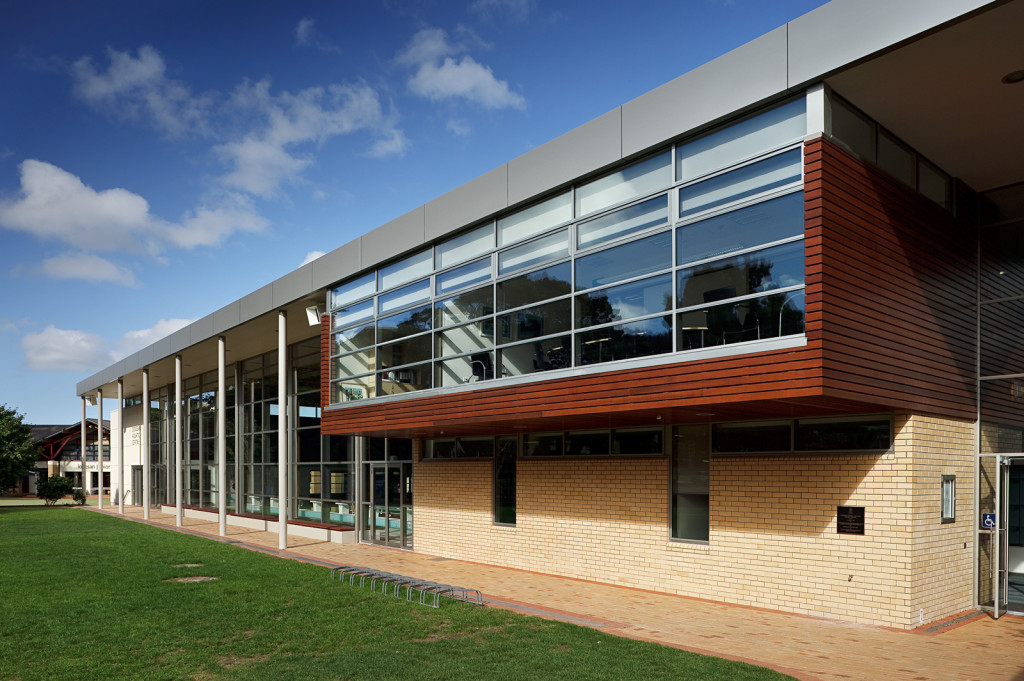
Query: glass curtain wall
<point x="160" y="438"/>
<point x="696" y="246"/>
<point x="1001" y="418"/>
<point x="259" y="435"/>
<point x="324" y="489"/>
<point x="200" y="441"/>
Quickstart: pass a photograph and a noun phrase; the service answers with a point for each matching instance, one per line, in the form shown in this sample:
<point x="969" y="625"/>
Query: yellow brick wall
<point x="773" y="540"/>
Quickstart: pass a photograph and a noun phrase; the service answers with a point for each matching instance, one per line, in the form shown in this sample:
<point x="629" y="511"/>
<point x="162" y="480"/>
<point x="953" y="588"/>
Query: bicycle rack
<point x="392" y="584"/>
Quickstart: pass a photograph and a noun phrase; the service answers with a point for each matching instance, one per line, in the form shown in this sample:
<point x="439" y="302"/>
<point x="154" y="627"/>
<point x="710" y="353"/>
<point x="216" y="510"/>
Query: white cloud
<point x="391" y="143"/>
<point x="458" y="127"/>
<point x="304" y="31"/>
<point x="56" y="205"/>
<point x="138" y="86"/>
<point x="311" y="256"/>
<point x="88" y="267"/>
<point x="442" y="74"/>
<point x="273" y="154"/>
<point x="306" y="35"/>
<point x="136" y="340"/>
<point x="265" y="139"/>
<point x="54" y="349"/>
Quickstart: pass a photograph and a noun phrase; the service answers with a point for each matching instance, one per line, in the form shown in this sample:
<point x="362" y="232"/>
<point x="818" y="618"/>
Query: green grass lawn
<point x="85" y="596"/>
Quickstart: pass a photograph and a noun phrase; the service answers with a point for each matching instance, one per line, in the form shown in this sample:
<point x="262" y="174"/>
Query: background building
<point x="751" y="337"/>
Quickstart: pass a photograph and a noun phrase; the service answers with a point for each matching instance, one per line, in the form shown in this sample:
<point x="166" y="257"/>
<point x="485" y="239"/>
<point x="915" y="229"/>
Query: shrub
<point x="79" y="497"/>
<point x="54" y="489"/>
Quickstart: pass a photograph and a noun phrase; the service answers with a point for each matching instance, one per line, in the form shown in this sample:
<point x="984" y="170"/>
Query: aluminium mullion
<point x="742" y="251"/>
<point x="743" y="298"/>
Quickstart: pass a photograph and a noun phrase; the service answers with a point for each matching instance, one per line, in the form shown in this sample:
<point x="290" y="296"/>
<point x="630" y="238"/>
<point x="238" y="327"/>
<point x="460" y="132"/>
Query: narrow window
<point x="691" y="483"/>
<point x="505" y="481"/>
<point x="948" y="498"/>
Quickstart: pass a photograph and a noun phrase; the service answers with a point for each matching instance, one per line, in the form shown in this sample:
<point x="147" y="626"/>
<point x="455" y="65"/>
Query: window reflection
<point x="405" y="380"/>
<point x="403" y="324"/>
<point x="353" y="338"/>
<point x="542" y="355"/>
<point x="623" y="262"/>
<point x="534" y="322"/>
<point x="745" y="320"/>
<point x="465" y="306"/>
<point x="628" y="301"/>
<point x="757" y="272"/>
<point x="534" y="287"/>
<point x="748" y="227"/>
<point x="639" y="339"/>
<point x="415" y="349"/>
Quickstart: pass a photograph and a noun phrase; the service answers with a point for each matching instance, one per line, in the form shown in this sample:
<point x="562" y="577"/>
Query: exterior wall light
<point x="313" y="315"/>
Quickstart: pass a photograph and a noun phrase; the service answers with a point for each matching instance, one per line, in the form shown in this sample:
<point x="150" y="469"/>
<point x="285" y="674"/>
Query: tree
<point x="17" y="456"/>
<point x="53" y="490"/>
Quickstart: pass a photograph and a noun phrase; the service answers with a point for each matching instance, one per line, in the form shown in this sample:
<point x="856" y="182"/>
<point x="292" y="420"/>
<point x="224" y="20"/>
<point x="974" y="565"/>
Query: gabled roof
<point x="43" y="434"/>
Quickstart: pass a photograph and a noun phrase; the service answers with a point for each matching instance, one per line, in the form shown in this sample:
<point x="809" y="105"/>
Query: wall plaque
<point x="850" y="520"/>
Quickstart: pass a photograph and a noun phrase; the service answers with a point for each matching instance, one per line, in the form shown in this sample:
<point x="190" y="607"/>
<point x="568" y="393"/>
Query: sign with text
<point x="850" y="520"/>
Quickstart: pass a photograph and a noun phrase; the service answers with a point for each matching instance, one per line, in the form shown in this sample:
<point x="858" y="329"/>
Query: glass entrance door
<point x="387" y="504"/>
<point x="1011" y="532"/>
<point x="1001" y="534"/>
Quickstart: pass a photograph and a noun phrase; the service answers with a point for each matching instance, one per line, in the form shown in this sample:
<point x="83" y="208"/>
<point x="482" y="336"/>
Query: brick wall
<point x="773" y="530"/>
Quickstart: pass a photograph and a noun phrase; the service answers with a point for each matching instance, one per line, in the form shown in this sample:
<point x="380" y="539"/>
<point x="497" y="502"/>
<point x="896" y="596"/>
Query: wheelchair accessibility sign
<point x="988" y="521"/>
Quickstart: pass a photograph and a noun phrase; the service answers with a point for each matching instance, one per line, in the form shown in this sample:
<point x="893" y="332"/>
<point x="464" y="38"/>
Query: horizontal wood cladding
<point x="889" y="318"/>
<point x="897" y="288"/>
<point x="775" y="375"/>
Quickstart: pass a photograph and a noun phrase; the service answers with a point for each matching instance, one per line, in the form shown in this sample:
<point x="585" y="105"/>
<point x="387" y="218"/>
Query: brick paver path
<point x="980" y="649"/>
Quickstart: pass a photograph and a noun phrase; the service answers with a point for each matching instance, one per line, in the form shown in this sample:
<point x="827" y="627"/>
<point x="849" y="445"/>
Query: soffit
<point x="943" y="95"/>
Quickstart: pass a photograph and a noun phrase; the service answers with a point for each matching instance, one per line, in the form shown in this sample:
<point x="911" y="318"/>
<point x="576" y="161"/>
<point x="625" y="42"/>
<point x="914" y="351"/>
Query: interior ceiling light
<point x="1013" y="77"/>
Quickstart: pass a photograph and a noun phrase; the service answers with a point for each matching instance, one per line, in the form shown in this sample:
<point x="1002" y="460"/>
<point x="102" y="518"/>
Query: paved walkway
<point x="978" y="648"/>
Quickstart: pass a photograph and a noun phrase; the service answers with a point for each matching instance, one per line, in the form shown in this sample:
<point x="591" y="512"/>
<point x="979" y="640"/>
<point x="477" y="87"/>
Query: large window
<point x="650" y="259"/>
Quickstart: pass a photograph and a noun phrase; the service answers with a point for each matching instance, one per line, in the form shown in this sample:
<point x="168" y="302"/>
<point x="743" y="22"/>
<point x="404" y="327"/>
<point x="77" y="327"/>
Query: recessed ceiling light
<point x="1013" y="77"/>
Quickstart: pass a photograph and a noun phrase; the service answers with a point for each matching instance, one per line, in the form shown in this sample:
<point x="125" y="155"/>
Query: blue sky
<point x="159" y="160"/>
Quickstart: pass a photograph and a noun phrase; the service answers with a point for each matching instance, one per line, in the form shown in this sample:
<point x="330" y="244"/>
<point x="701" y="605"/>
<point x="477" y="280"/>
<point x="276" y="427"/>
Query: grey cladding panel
<point x="256" y="303"/>
<point x="294" y="285"/>
<point x="398" y="236"/>
<point x="201" y="329"/>
<point x="460" y="207"/>
<point x="589" y="147"/>
<point x="179" y="340"/>
<point x="839" y="33"/>
<point x="227" y="317"/>
<point x="749" y="74"/>
<point x="336" y="265"/>
<point x="162" y="348"/>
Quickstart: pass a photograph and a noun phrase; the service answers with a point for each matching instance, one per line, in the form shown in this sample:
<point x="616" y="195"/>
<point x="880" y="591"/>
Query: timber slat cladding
<point x="898" y="274"/>
<point x="888" y="316"/>
<point x="770" y="375"/>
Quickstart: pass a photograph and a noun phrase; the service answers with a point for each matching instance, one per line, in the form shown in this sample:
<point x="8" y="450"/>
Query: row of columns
<point x="282" y="438"/>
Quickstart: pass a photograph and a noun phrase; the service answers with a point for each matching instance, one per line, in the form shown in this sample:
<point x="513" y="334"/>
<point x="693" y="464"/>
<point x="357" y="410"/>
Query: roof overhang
<point x="943" y="93"/>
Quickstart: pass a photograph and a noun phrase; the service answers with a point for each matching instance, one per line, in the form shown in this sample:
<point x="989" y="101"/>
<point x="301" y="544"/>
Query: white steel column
<point x="99" y="447"/>
<point x="120" y="446"/>
<point x="222" y="440"/>
<point x="85" y="475"/>
<point x="146" y="454"/>
<point x="178" y="509"/>
<point x="282" y="430"/>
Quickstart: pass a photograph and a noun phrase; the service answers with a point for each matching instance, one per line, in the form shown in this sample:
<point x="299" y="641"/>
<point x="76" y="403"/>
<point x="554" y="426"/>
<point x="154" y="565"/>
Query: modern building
<point x="754" y="337"/>
<point x="60" y="454"/>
